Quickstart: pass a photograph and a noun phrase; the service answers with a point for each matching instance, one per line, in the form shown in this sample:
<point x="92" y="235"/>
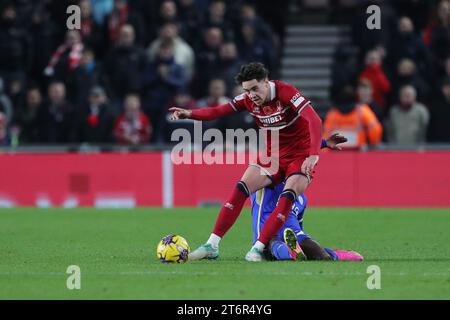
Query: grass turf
<point x="116" y="251"/>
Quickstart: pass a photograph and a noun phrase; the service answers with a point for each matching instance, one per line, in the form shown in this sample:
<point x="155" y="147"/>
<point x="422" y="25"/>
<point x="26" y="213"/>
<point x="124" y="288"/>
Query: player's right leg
<point x="252" y="180"/>
<point x="313" y="250"/>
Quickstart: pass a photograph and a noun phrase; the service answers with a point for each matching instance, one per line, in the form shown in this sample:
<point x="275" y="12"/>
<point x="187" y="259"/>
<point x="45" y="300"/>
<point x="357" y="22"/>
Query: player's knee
<point x="289" y="194"/>
<point x="298" y="182"/>
<point x="242" y="186"/>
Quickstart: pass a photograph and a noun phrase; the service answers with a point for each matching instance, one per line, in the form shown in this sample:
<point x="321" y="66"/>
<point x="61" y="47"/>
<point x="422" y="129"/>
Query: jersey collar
<point x="272" y="90"/>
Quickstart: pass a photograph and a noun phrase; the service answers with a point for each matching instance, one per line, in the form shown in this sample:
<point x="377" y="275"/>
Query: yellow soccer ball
<point x="173" y="249"/>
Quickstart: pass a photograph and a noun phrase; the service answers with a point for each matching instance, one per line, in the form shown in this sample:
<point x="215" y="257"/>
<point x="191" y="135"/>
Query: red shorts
<point x="280" y="168"/>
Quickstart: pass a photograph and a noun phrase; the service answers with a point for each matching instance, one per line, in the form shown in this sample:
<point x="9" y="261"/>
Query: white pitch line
<point x="143" y="273"/>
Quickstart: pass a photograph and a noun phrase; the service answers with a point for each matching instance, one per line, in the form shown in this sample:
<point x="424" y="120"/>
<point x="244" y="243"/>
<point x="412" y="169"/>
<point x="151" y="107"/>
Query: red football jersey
<point x="282" y="113"/>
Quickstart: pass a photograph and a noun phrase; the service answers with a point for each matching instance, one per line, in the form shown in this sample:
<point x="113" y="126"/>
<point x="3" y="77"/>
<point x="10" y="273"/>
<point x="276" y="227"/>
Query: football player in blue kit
<point x="291" y="242"/>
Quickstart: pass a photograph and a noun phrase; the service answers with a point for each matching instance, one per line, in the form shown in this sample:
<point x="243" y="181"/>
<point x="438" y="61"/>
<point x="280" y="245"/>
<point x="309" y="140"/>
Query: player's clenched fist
<point x="309" y="164"/>
<point x="179" y="113"/>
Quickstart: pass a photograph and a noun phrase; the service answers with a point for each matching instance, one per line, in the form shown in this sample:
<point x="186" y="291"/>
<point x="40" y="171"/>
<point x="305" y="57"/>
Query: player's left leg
<point x="313" y="250"/>
<point x="252" y="180"/>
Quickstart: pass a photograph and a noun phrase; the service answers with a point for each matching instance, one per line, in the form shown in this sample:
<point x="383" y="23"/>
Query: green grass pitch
<point x="116" y="251"/>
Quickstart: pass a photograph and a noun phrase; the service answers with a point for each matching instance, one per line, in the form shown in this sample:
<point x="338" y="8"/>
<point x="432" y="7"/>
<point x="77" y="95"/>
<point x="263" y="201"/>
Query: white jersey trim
<point x="272" y="90"/>
<point x="291" y="122"/>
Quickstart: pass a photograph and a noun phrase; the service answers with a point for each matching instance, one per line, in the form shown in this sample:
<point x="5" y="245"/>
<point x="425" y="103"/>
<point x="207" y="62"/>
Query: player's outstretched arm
<point x="202" y="114"/>
<point x="179" y="113"/>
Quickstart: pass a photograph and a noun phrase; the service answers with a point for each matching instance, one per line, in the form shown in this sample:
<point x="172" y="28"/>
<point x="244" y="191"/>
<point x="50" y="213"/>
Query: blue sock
<point x="280" y="250"/>
<point x="331" y="253"/>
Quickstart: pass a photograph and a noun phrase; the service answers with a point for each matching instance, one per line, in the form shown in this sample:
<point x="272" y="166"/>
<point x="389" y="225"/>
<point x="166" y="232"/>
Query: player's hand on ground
<point x="179" y="113"/>
<point x="335" y="140"/>
<point x="309" y="164"/>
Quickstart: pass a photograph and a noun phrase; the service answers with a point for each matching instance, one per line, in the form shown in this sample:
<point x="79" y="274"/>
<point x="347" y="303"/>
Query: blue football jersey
<point x="264" y="202"/>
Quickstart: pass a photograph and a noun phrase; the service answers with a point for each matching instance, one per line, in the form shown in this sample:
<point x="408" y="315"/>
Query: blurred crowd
<point x="112" y="80"/>
<point x="395" y="87"/>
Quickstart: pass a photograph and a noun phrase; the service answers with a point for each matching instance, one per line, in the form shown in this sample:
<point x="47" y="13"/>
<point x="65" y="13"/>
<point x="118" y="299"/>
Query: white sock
<point x="259" y="245"/>
<point x="214" y="240"/>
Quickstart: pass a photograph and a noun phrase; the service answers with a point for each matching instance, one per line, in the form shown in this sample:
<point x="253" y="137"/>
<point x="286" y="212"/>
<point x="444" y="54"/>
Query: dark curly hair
<point x="253" y="70"/>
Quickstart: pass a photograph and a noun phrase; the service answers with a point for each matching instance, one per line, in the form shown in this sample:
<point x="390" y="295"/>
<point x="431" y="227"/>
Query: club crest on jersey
<point x="256" y="109"/>
<point x="267" y="109"/>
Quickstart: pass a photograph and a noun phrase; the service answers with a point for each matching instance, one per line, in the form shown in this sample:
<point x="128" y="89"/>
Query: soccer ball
<point x="173" y="248"/>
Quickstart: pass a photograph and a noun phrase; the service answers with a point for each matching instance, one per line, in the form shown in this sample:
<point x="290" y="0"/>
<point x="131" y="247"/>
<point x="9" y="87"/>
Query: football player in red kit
<point x="274" y="105"/>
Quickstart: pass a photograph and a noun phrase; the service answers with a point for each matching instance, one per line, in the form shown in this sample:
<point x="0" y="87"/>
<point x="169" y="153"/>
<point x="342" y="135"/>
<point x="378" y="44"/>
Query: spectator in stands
<point x="5" y="135"/>
<point x="364" y="95"/>
<point x="16" y="90"/>
<point x="248" y="15"/>
<point x="408" y="121"/>
<point x="124" y="65"/>
<point x="216" y="96"/>
<point x="6" y="107"/>
<point x="190" y="19"/>
<point x="66" y="57"/>
<point x="29" y="116"/>
<point x="439" y="34"/>
<point x="42" y="40"/>
<point x="366" y="39"/>
<point x="253" y="47"/>
<point x="183" y="53"/>
<point x="183" y="100"/>
<point x="344" y="69"/>
<point x="84" y="78"/>
<point x="229" y="65"/>
<point x="132" y="127"/>
<point x="357" y="122"/>
<point x="407" y="44"/>
<point x="446" y="71"/>
<point x="95" y="122"/>
<point x="58" y="116"/>
<point x="91" y="32"/>
<point x="15" y="55"/>
<point x="216" y="18"/>
<point x="439" y="129"/>
<point x="373" y="72"/>
<point x="120" y="16"/>
<point x="407" y="74"/>
<point x="208" y="59"/>
<point x="168" y="12"/>
<point x="161" y="79"/>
